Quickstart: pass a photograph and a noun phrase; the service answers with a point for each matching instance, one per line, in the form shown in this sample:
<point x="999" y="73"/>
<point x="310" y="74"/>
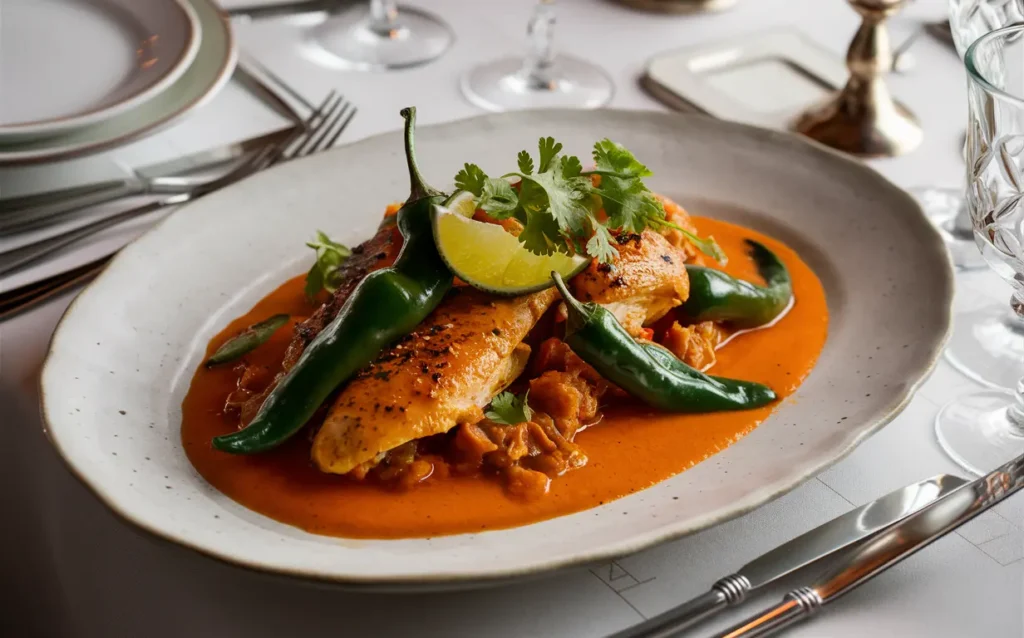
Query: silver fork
<point x="322" y="129"/>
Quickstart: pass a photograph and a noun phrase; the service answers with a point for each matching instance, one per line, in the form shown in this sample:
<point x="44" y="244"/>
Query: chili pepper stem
<point x="419" y="187"/>
<point x="576" y="313"/>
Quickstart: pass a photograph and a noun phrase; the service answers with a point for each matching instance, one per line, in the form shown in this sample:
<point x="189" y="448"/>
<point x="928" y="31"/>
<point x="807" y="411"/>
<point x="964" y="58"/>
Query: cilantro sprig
<point x="509" y="409"/>
<point x="557" y="201"/>
<point x="324" y="274"/>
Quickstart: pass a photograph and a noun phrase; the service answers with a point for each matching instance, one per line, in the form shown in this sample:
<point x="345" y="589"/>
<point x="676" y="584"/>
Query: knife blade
<point x="16" y="212"/>
<point x="865" y="560"/>
<point x="819" y="543"/>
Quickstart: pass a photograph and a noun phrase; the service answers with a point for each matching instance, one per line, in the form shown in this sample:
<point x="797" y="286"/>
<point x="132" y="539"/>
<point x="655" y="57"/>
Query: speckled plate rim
<point x="927" y="236"/>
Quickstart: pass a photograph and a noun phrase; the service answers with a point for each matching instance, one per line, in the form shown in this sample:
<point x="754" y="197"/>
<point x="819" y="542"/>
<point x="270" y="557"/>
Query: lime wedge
<point x="486" y="257"/>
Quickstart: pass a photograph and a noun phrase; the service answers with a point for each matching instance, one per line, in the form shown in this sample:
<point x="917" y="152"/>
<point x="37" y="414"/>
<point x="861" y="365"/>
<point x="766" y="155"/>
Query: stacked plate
<point x="107" y="72"/>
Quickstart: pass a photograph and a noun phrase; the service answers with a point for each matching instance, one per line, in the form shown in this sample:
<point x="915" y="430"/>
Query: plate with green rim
<point x="205" y="75"/>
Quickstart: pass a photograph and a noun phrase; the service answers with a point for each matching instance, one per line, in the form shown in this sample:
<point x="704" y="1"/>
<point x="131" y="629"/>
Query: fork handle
<point x="21" y="257"/>
<point x="36" y="208"/>
<point x="678" y="618"/>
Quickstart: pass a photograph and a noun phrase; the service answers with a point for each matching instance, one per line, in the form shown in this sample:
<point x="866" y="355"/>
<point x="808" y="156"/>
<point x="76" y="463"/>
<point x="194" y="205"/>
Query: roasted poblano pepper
<point x="716" y="296"/>
<point x="648" y="371"/>
<point x="388" y="304"/>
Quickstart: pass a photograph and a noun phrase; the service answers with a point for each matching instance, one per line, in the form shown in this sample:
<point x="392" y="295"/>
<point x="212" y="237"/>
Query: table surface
<point x="76" y="570"/>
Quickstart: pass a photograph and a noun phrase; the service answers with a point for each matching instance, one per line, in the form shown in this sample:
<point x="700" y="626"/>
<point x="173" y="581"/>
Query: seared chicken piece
<point x="646" y="281"/>
<point x="694" y="345"/>
<point x="677" y="215"/>
<point x="466" y="352"/>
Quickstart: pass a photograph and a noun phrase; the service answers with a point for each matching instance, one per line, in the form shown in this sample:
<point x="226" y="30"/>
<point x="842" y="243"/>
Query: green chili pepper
<point x="386" y="305"/>
<point x="646" y="370"/>
<point x="247" y="340"/>
<point x="716" y="296"/>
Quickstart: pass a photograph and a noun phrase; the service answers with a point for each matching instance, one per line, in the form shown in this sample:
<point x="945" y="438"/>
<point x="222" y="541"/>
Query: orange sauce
<point x="629" y="450"/>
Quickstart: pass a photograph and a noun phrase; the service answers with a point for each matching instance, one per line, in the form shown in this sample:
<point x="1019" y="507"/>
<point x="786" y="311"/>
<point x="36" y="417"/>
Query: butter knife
<point x="822" y="541"/>
<point x="870" y="558"/>
<point x="170" y="177"/>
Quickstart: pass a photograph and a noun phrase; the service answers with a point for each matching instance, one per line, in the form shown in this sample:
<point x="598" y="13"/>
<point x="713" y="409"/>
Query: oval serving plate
<point x="122" y="358"/>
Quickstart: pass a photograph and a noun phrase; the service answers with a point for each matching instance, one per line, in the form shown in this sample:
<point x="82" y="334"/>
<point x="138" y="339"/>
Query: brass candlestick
<point x="862" y="118"/>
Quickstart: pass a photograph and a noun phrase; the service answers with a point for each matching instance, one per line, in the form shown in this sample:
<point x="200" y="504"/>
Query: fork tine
<point x="341" y="127"/>
<point x="303" y="146"/>
<point x="281" y="152"/>
<point x="321" y="142"/>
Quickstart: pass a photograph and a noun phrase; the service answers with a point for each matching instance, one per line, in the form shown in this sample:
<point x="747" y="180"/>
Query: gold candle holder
<point x="863" y="118"/>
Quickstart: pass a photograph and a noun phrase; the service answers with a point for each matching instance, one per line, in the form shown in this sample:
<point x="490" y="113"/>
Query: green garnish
<point x="557" y="202"/>
<point x="246" y="341"/>
<point x="324" y="275"/>
<point x="707" y="246"/>
<point x="509" y="409"/>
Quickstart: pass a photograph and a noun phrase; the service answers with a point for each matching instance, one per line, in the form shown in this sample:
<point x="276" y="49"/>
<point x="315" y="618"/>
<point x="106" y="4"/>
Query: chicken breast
<point x="444" y="374"/>
<point x="646" y="281"/>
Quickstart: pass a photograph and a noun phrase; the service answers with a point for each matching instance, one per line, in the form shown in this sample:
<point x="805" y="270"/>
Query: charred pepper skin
<point x="716" y="296"/>
<point x="388" y="304"/>
<point x="648" y="371"/>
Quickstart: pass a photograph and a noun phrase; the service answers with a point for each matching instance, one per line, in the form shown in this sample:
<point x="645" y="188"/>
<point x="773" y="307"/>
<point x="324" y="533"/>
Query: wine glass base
<point x="572" y="84"/>
<point x="987" y="345"/>
<point x="347" y="40"/>
<point x="941" y="206"/>
<point x="976" y="432"/>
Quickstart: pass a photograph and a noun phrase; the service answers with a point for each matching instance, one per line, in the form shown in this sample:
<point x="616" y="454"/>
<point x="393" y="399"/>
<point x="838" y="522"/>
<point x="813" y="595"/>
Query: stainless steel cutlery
<point x="813" y="546"/>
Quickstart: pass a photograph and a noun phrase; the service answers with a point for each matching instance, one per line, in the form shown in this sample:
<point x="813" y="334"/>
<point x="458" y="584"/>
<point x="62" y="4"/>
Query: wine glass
<point x="984" y="429"/>
<point x="541" y="79"/>
<point x="379" y="37"/>
<point x="946" y="207"/>
<point x="987" y="343"/>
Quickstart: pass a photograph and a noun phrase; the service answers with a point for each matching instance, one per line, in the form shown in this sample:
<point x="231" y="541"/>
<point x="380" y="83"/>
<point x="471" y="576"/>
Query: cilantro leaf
<point x="609" y="156"/>
<point x="568" y="199"/>
<point x="558" y="203"/>
<point x="570" y="166"/>
<point x="498" y="198"/>
<point x="600" y="245"/>
<point x="525" y="162"/>
<point x="314" y="282"/>
<point x="325" y="273"/>
<point x="707" y="246"/>
<point x="549" y="150"/>
<point x="540" y="234"/>
<point x="628" y="203"/>
<point x="508" y="409"/>
<point x="471" y="178"/>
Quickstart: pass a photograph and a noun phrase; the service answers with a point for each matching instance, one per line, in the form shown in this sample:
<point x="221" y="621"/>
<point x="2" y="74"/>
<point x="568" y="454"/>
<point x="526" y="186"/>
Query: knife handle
<point x="728" y="591"/>
<point x="795" y="606"/>
<point x="30" y="209"/>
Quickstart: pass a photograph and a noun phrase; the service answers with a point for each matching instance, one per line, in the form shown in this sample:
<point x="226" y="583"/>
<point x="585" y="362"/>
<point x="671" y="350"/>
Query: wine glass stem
<point x="540" y="56"/>
<point x="383" y="16"/>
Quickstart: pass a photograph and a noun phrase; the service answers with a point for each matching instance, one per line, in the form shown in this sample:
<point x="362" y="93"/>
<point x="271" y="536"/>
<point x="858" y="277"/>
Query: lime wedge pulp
<point x="486" y="257"/>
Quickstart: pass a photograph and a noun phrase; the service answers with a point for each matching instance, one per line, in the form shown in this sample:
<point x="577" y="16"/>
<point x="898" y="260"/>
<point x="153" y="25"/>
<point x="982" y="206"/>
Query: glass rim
<point x="975" y="75"/>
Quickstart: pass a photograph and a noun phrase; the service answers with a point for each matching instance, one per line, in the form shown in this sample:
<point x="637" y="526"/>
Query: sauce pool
<point x="284" y="485"/>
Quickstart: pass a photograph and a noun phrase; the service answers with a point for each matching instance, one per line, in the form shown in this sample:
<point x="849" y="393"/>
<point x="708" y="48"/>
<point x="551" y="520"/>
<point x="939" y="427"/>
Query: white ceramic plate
<point x="214" y="61"/>
<point x="123" y="356"/>
<point x="99" y="58"/>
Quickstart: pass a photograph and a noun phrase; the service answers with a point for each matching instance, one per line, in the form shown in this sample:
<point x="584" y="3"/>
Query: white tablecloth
<point x="71" y="568"/>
